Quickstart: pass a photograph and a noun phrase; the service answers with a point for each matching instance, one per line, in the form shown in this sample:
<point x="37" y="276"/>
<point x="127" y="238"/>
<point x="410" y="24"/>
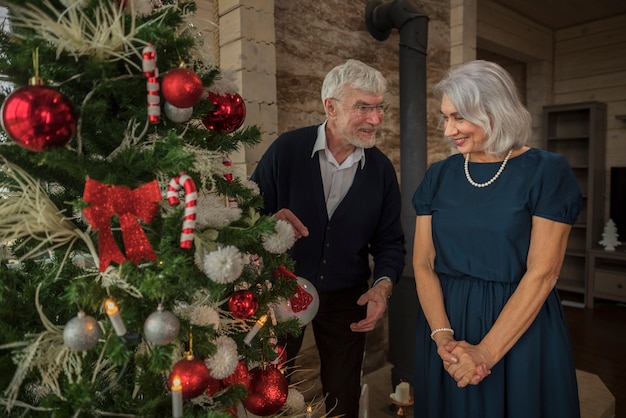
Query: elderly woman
<point x="491" y="231"/>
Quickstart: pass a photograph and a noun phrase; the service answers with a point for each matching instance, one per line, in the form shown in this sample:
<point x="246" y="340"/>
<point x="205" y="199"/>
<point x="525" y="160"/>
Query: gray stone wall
<point x="312" y="36"/>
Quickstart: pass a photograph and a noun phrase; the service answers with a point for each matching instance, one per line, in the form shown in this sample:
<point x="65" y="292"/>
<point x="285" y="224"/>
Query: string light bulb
<point x="255" y="329"/>
<point x="177" y="397"/>
<point x="113" y="312"/>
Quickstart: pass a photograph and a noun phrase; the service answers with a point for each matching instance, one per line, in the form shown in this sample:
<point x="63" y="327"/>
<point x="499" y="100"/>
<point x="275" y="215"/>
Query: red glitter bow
<point x="129" y="205"/>
<point x="301" y="299"/>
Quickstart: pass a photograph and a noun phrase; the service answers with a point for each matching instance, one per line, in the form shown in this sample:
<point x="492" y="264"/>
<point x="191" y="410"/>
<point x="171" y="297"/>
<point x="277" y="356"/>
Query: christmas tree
<point x="138" y="276"/>
<point x="610" y="236"/>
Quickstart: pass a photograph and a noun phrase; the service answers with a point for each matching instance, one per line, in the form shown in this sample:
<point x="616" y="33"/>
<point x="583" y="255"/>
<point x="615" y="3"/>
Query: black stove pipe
<point x="381" y="17"/>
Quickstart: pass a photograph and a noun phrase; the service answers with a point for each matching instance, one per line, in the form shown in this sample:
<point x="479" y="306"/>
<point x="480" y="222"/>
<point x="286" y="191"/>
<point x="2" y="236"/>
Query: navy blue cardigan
<point x="367" y="221"/>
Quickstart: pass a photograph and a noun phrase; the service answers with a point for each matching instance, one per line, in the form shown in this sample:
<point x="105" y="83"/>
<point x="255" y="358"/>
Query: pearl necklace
<point x="487" y="183"/>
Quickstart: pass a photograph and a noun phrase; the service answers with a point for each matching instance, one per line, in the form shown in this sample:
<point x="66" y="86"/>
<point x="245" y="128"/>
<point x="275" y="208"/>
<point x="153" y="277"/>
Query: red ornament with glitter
<point x="229" y="112"/>
<point x="38" y="118"/>
<point x="194" y="376"/>
<point x="267" y="392"/>
<point x="241" y="376"/>
<point x="182" y="87"/>
<point x="242" y="304"/>
<point x="213" y="387"/>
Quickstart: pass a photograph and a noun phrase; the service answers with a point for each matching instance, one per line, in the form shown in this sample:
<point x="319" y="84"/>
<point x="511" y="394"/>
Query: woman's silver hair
<point x="485" y="94"/>
<point x="354" y="74"/>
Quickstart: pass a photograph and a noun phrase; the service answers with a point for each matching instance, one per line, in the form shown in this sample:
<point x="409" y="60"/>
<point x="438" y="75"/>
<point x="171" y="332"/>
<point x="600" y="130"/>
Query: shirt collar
<point x="320" y="144"/>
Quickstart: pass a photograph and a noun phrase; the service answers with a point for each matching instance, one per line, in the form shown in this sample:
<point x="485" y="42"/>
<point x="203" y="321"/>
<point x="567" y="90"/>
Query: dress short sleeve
<point x="558" y="198"/>
<point x="423" y="196"/>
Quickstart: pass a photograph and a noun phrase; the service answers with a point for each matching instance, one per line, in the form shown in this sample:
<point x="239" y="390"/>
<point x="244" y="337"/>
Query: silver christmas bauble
<point x="161" y="327"/>
<point x="177" y="114"/>
<point x="82" y="332"/>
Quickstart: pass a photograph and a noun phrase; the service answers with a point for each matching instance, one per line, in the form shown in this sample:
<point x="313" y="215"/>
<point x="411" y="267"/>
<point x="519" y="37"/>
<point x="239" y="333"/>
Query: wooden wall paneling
<point x="591" y="82"/>
<point x="584" y="41"/>
<point x="616" y="149"/>
<point x="591" y="29"/>
<point x="505" y="32"/>
<point x="599" y="60"/>
<point x="607" y="95"/>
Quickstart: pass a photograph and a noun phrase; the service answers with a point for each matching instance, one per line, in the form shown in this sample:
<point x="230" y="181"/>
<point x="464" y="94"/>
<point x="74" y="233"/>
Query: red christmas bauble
<point x="267" y="392"/>
<point x="38" y="118"/>
<point x="181" y="87"/>
<point x="194" y="377"/>
<point x="240" y="376"/>
<point x="243" y="304"/>
<point x="229" y="112"/>
<point x="213" y="387"/>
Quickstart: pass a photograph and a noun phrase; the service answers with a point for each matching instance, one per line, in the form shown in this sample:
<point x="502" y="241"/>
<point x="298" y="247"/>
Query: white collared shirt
<point x="336" y="178"/>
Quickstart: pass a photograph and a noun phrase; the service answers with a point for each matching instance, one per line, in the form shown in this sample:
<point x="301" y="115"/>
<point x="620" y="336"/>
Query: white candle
<point x="309" y="411"/>
<point x="113" y="313"/>
<point x="177" y="398"/>
<point x="402" y="392"/>
<point x="255" y="329"/>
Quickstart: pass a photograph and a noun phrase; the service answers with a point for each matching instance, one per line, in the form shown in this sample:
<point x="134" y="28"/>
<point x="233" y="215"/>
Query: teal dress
<point x="481" y="238"/>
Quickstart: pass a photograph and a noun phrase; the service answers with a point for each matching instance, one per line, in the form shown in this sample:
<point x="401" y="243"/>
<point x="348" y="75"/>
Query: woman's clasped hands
<point x="466" y="363"/>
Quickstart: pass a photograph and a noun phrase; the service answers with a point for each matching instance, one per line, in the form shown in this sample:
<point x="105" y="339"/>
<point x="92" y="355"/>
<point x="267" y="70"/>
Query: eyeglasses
<point x="363" y="110"/>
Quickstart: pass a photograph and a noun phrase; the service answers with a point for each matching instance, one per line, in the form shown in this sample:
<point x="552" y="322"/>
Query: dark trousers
<point x="341" y="350"/>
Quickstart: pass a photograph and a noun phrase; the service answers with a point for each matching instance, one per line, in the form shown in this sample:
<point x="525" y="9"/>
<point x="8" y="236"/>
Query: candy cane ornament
<point x="151" y="71"/>
<point x="232" y="202"/>
<point x="148" y="64"/>
<point x="191" y="206"/>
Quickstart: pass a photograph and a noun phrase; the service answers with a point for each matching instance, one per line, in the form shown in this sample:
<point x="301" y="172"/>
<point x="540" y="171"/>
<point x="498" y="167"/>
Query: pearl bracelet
<point x="432" y="334"/>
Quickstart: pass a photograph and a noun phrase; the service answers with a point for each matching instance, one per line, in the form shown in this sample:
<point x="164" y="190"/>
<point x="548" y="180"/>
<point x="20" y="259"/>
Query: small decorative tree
<point x="609" y="236"/>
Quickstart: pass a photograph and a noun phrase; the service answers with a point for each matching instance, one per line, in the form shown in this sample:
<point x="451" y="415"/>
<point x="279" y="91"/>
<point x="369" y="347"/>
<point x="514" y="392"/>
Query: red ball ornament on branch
<point x="213" y="387"/>
<point x="194" y="376"/>
<point x="38" y="118"/>
<point x="242" y="304"/>
<point x="228" y="114"/>
<point x="267" y="392"/>
<point x="181" y="87"/>
<point x="241" y="376"/>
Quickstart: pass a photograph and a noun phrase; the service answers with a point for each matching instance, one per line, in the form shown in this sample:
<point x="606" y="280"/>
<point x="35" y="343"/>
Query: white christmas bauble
<point x="82" y="332"/>
<point x="303" y="305"/>
<point x="177" y="114"/>
<point x="161" y="327"/>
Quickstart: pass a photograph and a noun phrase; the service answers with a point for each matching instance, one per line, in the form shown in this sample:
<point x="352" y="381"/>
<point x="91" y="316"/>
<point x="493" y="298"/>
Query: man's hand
<point x="376" y="300"/>
<point x="298" y="227"/>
